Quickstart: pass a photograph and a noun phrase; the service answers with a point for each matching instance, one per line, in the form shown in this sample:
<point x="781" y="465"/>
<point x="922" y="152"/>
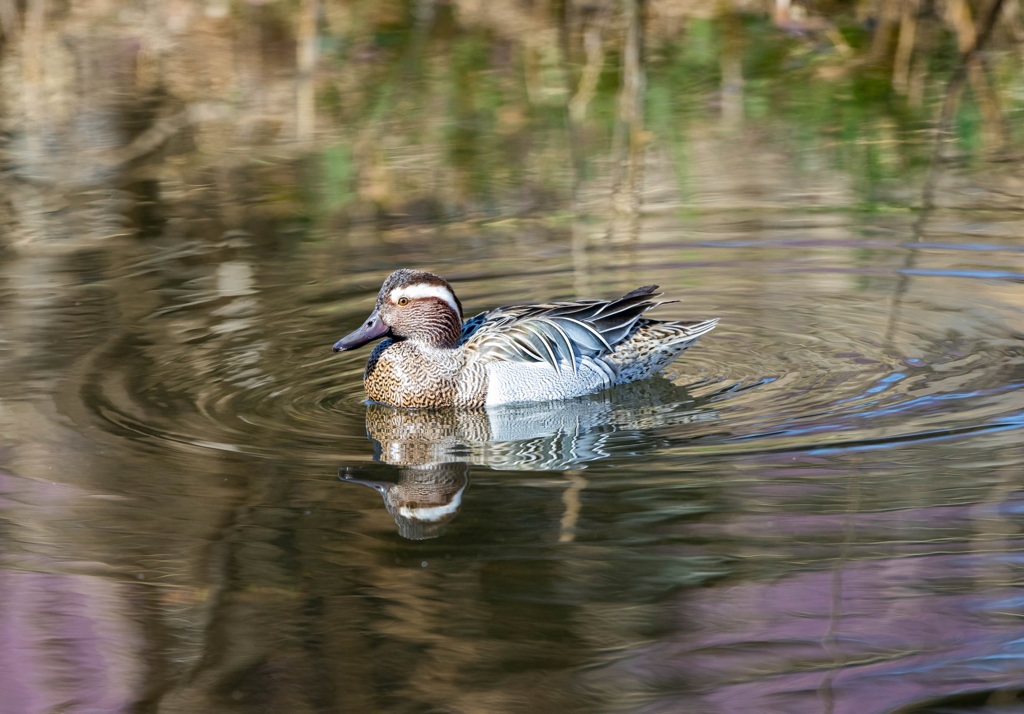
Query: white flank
<point x="515" y="382"/>
<point x="425" y="290"/>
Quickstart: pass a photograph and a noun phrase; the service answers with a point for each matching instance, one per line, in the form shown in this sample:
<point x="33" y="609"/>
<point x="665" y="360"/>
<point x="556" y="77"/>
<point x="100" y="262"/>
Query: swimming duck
<point x="525" y="353"/>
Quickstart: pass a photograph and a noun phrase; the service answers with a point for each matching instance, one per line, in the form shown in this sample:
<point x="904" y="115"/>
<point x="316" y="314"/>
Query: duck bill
<point x="373" y="329"/>
<point x="380" y="487"/>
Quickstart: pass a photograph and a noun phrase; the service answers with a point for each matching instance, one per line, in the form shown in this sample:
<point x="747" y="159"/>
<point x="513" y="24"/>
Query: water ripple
<point x="794" y="365"/>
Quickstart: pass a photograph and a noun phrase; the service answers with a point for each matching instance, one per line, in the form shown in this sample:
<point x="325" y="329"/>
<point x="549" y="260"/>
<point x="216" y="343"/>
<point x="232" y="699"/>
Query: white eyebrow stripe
<point x="425" y="290"/>
<point x="433" y="513"/>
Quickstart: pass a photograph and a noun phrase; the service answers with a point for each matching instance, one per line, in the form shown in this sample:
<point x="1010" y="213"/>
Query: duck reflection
<point x="425" y="498"/>
<point x="433" y="449"/>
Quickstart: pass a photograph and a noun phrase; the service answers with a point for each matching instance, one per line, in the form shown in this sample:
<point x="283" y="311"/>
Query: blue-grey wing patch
<point x="470" y="326"/>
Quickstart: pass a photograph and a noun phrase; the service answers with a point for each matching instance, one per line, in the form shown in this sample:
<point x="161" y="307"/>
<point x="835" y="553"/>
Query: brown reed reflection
<point x="421" y="111"/>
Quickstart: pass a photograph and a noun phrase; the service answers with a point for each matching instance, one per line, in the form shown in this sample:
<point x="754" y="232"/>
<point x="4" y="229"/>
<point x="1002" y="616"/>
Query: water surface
<point x="816" y="510"/>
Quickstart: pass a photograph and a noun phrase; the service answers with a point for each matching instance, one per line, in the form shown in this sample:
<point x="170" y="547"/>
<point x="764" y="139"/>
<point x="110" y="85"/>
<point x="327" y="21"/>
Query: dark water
<point x="816" y="510"/>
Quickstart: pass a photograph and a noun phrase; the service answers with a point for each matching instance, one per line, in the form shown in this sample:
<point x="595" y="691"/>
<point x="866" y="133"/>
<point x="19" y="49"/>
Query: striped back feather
<point x="558" y="334"/>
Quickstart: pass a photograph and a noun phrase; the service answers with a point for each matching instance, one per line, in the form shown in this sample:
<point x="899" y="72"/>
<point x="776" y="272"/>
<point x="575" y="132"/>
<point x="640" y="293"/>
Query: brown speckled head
<point x="412" y="305"/>
<point x="420" y="307"/>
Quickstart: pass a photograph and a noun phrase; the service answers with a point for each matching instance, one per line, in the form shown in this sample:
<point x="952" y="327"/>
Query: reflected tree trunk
<point x="887" y="22"/>
<point x="731" y="63"/>
<point x="629" y="140"/>
<point x="9" y="19"/>
<point x="832" y="640"/>
<point x="993" y="126"/>
<point x="305" y="121"/>
<point x="901" y="69"/>
<point x="573" y="503"/>
<point x="592" y="27"/>
<point x="588" y="25"/>
<point x="971" y="47"/>
<point x="32" y="104"/>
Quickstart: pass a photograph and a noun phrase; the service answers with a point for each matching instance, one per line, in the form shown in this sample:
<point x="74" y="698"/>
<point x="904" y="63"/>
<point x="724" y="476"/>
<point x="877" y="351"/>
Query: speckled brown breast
<point x="407" y="375"/>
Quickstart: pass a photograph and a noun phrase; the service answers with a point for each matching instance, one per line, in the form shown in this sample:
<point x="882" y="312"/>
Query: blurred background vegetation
<point x="196" y="117"/>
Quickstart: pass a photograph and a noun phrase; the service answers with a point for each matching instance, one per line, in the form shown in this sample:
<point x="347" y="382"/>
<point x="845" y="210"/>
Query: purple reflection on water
<point x="61" y="646"/>
<point x="867" y="626"/>
<point x="67" y="638"/>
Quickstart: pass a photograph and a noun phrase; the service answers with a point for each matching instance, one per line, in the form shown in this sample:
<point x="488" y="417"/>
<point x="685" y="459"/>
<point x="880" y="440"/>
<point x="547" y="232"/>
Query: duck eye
<point x="403" y="301"/>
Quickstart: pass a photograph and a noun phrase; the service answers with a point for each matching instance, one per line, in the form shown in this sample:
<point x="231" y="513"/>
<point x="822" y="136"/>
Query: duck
<point x="431" y="357"/>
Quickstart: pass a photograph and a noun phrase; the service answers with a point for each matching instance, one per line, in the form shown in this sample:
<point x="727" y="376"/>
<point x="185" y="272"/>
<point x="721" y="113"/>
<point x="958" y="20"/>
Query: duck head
<point x="412" y="305"/>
